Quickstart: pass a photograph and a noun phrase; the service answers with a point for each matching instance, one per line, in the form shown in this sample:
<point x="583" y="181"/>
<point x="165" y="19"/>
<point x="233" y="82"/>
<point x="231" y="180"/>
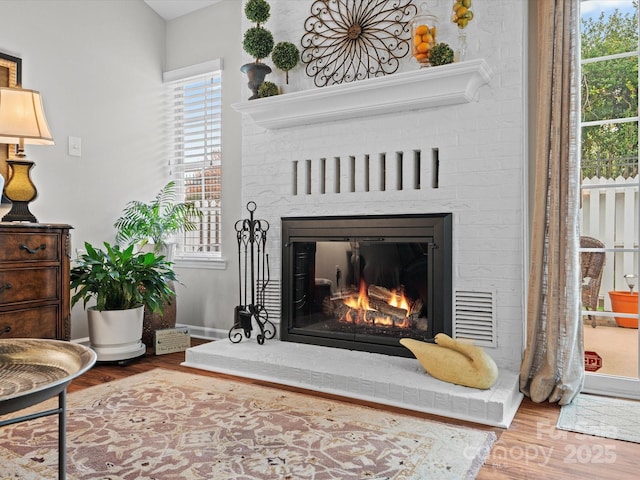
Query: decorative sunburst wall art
<point x="348" y="40"/>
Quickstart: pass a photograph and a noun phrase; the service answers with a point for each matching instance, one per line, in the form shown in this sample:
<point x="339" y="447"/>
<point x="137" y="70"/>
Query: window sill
<point x="203" y="263"/>
<point x="451" y="84"/>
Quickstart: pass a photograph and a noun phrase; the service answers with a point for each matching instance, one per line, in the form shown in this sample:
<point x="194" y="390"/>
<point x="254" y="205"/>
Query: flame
<point x="361" y="302"/>
<point x="400" y="301"/>
<point x="359" y="306"/>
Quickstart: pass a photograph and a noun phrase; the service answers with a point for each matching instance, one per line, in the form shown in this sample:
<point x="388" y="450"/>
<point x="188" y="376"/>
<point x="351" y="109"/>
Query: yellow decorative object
<point x="462" y="13"/>
<point x="423" y="33"/>
<point x="453" y="361"/>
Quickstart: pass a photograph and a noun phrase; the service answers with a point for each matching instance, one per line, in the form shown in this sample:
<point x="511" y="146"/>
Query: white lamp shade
<point x="22" y="118"/>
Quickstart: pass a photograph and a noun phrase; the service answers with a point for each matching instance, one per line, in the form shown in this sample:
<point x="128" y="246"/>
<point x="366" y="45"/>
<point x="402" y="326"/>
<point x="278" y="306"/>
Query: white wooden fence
<point x="610" y="213"/>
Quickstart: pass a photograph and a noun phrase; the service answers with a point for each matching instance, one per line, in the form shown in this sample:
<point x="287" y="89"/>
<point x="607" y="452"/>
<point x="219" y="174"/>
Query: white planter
<point x="116" y="334"/>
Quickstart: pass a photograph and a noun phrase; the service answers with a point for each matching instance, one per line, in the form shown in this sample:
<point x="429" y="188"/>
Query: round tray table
<point x="34" y="370"/>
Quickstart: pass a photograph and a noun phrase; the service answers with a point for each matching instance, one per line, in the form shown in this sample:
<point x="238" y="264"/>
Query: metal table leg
<point x="62" y="429"/>
<point x="62" y="435"/>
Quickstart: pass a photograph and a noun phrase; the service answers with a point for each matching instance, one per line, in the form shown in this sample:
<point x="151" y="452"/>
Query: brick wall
<point x="481" y="148"/>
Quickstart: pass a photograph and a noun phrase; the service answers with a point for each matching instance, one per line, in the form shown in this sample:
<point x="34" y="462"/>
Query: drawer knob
<point x="32" y="250"/>
<point x="6" y="286"/>
<point x="6" y="329"/>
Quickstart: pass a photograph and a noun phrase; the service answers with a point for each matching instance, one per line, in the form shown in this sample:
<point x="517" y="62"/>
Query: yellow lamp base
<point x="20" y="190"/>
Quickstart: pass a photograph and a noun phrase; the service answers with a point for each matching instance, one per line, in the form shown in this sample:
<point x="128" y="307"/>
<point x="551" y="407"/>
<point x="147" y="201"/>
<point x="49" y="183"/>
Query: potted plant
<point x="285" y="56"/>
<point x="258" y="42"/>
<point x="151" y="226"/>
<point x="122" y="283"/>
<point x="154" y="223"/>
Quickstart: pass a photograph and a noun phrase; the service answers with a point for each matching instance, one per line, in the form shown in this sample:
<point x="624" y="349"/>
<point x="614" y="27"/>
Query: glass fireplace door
<point x="367" y="290"/>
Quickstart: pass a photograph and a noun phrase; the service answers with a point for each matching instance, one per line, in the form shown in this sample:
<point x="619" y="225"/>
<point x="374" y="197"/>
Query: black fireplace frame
<point x="435" y="229"/>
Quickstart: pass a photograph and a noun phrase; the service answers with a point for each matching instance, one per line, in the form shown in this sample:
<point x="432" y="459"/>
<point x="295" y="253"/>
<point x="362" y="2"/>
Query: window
<point x="194" y="97"/>
<point x="610" y="212"/>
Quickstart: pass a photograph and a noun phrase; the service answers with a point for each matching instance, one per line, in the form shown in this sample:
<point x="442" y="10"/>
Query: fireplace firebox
<point x="364" y="282"/>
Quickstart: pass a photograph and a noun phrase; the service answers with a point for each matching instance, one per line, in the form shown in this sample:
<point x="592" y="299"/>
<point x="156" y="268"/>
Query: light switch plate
<point x="75" y="146"/>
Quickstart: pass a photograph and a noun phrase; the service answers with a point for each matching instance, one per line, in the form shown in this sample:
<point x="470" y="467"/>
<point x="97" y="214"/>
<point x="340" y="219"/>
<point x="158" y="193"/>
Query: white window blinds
<point x="195" y="153"/>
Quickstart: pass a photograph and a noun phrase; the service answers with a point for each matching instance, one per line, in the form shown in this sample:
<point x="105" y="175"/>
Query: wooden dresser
<point x="34" y="281"/>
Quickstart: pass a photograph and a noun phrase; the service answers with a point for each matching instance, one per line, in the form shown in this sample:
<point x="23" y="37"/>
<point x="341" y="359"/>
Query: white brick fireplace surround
<point x="441" y="140"/>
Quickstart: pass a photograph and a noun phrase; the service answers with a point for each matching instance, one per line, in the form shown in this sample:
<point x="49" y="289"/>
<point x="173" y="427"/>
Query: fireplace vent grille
<point x="367" y="173"/>
<point x="474" y="317"/>
<point x="271" y="299"/>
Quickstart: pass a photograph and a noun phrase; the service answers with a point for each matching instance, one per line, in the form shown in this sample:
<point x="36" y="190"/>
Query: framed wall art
<point x="10" y="76"/>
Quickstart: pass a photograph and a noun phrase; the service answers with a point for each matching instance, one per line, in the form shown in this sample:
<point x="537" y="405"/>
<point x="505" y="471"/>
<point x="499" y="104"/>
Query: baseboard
<point x="205" y="333"/>
<point x="195" y="331"/>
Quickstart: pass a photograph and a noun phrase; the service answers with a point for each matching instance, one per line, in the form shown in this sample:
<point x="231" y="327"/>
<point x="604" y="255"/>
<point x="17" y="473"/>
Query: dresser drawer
<point x="34" y="280"/>
<point x="28" y="284"/>
<point x="29" y="323"/>
<point x="29" y="247"/>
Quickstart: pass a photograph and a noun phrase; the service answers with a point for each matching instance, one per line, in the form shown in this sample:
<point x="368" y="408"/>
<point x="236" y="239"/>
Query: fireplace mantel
<point x="451" y="84"/>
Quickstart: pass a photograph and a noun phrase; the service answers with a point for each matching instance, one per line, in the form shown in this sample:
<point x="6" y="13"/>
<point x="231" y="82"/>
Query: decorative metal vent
<point x="474" y="317"/>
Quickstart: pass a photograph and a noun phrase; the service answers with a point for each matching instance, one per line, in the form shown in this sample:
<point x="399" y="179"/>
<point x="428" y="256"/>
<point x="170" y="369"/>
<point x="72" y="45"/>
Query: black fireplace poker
<point x="253" y="272"/>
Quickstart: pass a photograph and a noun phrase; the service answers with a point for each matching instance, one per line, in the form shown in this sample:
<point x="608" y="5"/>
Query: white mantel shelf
<point x="451" y="84"/>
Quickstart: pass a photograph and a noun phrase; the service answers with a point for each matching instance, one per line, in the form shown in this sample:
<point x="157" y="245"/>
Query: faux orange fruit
<point x="423" y="47"/>
<point x="421" y="29"/>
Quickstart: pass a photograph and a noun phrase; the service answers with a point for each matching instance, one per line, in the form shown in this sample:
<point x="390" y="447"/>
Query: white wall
<point x="208" y="296"/>
<point x="98" y="66"/>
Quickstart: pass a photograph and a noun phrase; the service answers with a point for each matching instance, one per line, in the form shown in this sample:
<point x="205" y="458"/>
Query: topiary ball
<point x="268" y="89"/>
<point x="257" y="11"/>
<point x="441" y="54"/>
<point x="258" y="42"/>
<point x="285" y="56"/>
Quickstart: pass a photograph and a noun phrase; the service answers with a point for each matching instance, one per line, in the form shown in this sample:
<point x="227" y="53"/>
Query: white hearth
<point x="384" y="379"/>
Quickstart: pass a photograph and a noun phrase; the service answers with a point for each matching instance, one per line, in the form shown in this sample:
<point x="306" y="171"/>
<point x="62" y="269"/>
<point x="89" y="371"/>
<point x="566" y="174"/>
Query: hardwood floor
<point x="532" y="448"/>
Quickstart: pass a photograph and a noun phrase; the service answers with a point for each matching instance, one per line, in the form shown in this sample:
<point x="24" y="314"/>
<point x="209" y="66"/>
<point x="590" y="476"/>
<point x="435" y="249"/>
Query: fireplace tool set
<point x="253" y="271"/>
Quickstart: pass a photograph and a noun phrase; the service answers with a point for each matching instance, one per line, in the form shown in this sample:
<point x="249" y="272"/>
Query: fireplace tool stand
<point x="253" y="272"/>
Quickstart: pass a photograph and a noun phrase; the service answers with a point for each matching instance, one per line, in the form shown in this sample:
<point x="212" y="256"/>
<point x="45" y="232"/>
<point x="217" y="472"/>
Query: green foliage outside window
<point x="610" y="91"/>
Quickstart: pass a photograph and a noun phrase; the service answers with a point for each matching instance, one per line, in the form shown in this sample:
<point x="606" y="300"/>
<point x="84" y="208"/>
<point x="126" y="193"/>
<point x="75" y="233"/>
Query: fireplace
<point x="364" y="282"/>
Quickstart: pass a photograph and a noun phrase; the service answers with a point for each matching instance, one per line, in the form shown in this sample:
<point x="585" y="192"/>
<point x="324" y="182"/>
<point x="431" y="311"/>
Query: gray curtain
<point x="553" y="365"/>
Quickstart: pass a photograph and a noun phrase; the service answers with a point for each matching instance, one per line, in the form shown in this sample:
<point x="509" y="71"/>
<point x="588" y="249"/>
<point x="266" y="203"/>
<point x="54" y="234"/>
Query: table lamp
<point x="22" y="122"/>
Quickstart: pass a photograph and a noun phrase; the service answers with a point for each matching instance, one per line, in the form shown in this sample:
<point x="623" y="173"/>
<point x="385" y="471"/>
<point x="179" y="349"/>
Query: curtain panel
<point x="553" y="364"/>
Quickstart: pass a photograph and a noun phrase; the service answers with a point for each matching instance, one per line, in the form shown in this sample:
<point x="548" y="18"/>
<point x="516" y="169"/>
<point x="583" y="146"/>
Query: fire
<point x="400" y="301"/>
<point x="361" y="302"/>
<point x="360" y="309"/>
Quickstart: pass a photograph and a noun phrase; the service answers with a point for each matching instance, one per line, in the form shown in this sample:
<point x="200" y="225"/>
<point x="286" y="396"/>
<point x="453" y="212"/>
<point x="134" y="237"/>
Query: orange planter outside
<point x="625" y="302"/>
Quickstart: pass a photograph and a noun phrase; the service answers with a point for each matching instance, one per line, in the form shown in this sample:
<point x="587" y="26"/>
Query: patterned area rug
<point x="171" y="425"/>
<point x="607" y="417"/>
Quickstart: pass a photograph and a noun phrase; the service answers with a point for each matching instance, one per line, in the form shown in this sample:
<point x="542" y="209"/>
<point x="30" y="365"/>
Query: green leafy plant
<point x="119" y="279"/>
<point x="258" y="41"/>
<point x="285" y="56"/>
<point x="141" y="223"/>
<point x="441" y="54"/>
<point x="257" y="11"/>
<point x="268" y="89"/>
